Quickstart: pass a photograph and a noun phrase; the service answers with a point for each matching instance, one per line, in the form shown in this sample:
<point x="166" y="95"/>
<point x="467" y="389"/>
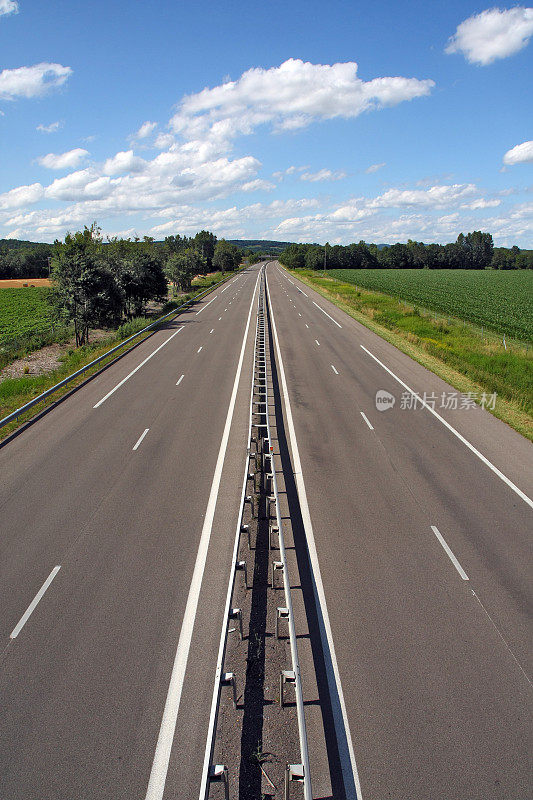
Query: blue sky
<point x="301" y="121"/>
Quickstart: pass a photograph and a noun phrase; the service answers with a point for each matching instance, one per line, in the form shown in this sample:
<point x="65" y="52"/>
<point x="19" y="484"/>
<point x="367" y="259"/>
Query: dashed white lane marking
<point x="327" y="315"/>
<point x="449" y="553"/>
<point x="139" y="440"/>
<point x="225" y="309"/>
<point x="158" y="774"/>
<point x="318" y="343"/>
<point x="334" y="370"/>
<point x="207" y="304"/>
<point x="299" y="314"/>
<point x="32" y="606"/>
<point x="367" y="421"/>
<point x="211" y="331"/>
<point x="306" y="325"/>
<point x="200" y="348"/>
<point x="461" y="438"/>
<point x="219" y="319"/>
<point x="99" y="403"/>
<point x="179" y="380"/>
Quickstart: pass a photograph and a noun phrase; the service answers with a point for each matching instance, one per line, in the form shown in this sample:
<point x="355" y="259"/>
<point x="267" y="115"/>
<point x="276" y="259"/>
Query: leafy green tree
<point x="227" y="257"/>
<point x="205" y="243"/>
<point x="181" y="268"/>
<point x="84" y="284"/>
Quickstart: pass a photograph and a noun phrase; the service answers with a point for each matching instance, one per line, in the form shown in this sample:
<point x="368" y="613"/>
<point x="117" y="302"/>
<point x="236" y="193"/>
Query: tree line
<point x="474" y="251"/>
<point x="101" y="284"/>
<point x="22" y="259"/>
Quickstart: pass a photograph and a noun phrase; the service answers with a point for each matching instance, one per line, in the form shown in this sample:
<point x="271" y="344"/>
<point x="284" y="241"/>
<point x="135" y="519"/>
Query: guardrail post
<point x="285" y="676"/>
<point x="218" y="773"/>
<point x="236" y="613"/>
<point x="294" y="773"/>
<point x="277" y="566"/>
<point x="241" y="565"/>
<point x="228" y="679"/>
<point x="281" y="613"/>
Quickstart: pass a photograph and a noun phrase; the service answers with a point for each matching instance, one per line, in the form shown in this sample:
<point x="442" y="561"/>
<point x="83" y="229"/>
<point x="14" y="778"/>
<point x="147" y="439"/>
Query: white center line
<point x="31" y="608"/>
<point x="318" y="343"/>
<point x="158" y="775"/>
<point x="461" y="438"/>
<point x="334" y="370"/>
<point x="207" y="304"/>
<point x="211" y="331"/>
<point x="367" y="420"/>
<point x="141" y="437"/>
<point x="451" y="556"/>
<point x="327" y="315"/>
<point x="200" y="348"/>
<point x="99" y="403"/>
<point x="180" y="380"/>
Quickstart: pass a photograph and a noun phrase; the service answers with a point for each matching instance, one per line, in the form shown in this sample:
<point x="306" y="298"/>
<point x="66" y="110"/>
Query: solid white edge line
<point x="32" y="606"/>
<point x="137" y="368"/>
<point x="367" y="420"/>
<point x="352" y="784"/>
<point x="335" y="370"/>
<point x="180" y="380"/>
<point x="158" y="774"/>
<point x="207" y="304"/>
<point x="449" y="553"/>
<point x="301" y="290"/>
<point x="455" y="432"/>
<point x="225" y="287"/>
<point x="327" y="315"/>
<point x="139" y="440"/>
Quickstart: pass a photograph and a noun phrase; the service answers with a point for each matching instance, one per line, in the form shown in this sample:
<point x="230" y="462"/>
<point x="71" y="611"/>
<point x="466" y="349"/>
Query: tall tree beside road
<point x="205" y="243"/>
<point x="227" y="256"/>
<point x="181" y="267"/>
<point x="85" y="286"/>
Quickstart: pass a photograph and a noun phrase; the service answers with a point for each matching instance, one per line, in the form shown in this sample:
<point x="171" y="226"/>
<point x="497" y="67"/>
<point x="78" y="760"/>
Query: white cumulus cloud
<point x="8" y="7"/>
<point x="434" y="197"/>
<point x="32" y="81"/>
<point x="495" y="33"/>
<point x="124" y="161"/>
<point x="52" y="128"/>
<point x="21" y="196"/>
<point x="374" y="168"/>
<point x="68" y="160"/>
<point x="322" y="175"/>
<point x="521" y="154"/>
<point x="289" y="97"/>
<point x="146" y="129"/>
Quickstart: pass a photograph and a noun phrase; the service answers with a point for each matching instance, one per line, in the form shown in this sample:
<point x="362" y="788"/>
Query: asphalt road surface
<point x="419" y="532"/>
<point x="84" y="684"/>
<point x="424" y="555"/>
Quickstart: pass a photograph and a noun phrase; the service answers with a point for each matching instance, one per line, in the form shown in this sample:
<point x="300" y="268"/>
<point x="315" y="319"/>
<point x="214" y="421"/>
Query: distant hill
<point x="260" y="245"/>
<point x="20" y="244"/>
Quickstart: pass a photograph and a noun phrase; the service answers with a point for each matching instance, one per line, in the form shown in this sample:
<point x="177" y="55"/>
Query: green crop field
<point x="23" y="312"/>
<point x="501" y="300"/>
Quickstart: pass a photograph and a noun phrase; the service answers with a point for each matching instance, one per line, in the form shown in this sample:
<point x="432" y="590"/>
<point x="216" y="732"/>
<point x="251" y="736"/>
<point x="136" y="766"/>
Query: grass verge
<point x="16" y="392"/>
<point x="458" y="353"/>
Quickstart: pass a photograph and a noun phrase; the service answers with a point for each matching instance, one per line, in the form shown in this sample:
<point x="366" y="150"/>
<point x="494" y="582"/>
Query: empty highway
<point x="117" y="511"/>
